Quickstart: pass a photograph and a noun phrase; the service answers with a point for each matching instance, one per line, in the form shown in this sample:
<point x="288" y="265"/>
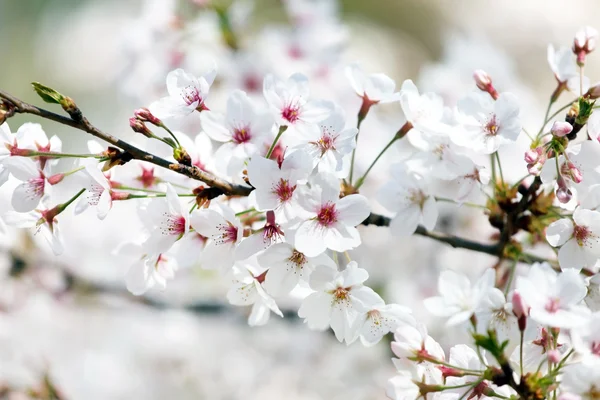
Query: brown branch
<point x="137" y="153"/>
<point x="455" y="241"/>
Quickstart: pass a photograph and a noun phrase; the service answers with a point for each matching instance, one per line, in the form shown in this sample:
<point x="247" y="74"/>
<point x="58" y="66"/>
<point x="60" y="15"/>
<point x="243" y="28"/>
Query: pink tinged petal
<point x="27" y="195"/>
<point x="138" y="278"/>
<point x="353" y="209"/>
<point x="316" y="311"/>
<point x="405" y="223"/>
<point x="559" y="232"/>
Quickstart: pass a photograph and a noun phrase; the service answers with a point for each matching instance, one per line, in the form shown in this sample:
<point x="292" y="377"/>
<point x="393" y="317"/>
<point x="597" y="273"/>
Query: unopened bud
<point x="144" y="114"/>
<point x="584" y="43"/>
<point x="54" y="179"/>
<point x="593" y="92"/>
<point x="140" y="127"/>
<point x="554" y="356"/>
<point x="561" y="128"/>
<point x="563" y="193"/>
<point x="449" y="371"/>
<point x="484" y="83"/>
<point x="575" y="172"/>
<point x="520" y="309"/>
<point x="532" y="155"/>
<point x="182" y="156"/>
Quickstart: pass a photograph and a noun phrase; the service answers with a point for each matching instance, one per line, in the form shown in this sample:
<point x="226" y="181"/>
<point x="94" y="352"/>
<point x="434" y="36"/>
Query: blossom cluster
<point x="276" y="209"/>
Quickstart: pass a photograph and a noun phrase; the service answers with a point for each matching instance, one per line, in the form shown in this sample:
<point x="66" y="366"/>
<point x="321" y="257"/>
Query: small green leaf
<point x="48" y="94"/>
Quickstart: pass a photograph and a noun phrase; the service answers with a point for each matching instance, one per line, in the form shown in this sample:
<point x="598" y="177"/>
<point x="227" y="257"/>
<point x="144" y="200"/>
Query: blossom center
<point x="417" y="197"/>
<point x="283" y="190"/>
<point x="491" y="127"/>
<point x="190" y="95"/>
<point x="297" y="258"/>
<point x="581" y="234"/>
<point x="326" y="142"/>
<point x="553" y="305"/>
<point x="595" y="348"/>
<point x="291" y="113"/>
<point x="241" y="135"/>
<point x="327" y="215"/>
<point x="228" y="233"/>
<point x="35" y="187"/>
<point x="147" y="177"/>
<point x="341" y="295"/>
<point x="173" y="225"/>
<point x="272" y="233"/>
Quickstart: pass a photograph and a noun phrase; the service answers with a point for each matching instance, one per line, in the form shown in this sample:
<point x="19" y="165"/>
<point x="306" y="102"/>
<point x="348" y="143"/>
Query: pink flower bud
<point x="54" y="179"/>
<point x="593" y="92"/>
<point x="554" y="356"/>
<point x="563" y="193"/>
<point x="584" y="43"/>
<point x="561" y="128"/>
<point x="144" y="114"/>
<point x="575" y="173"/>
<point x="532" y="155"/>
<point x="484" y="83"/>
<point x="520" y="309"/>
<point x="139" y="126"/>
<point x="482" y="79"/>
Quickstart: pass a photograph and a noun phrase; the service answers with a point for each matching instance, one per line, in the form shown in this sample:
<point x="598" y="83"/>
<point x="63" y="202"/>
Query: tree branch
<point x="137" y="153"/>
<point x="455" y="241"/>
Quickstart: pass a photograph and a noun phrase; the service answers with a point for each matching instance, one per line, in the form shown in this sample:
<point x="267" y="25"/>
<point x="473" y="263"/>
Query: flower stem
<point x="499" y="166"/>
<point x="282" y="129"/>
<point x="53" y="154"/>
<point x="361" y="180"/>
<point x="153" y="195"/>
<point x="445" y="200"/>
<point x="64" y="206"/>
<point x="162" y="125"/>
<point x="121" y="187"/>
<point x="245" y="212"/>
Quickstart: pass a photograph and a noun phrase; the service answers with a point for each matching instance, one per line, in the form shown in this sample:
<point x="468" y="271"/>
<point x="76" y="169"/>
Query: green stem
<point x="548" y="118"/>
<point x="282" y="129"/>
<point x="162" y="125"/>
<point x="500" y="167"/>
<point x="513" y="267"/>
<point x="64" y="206"/>
<point x="153" y="195"/>
<point x="245" y="212"/>
<point x="493" y="162"/>
<point x="362" y="114"/>
<point x="53" y="154"/>
<point x="121" y="187"/>
<point x="361" y="180"/>
<point x="445" y="200"/>
<point x="521" y="353"/>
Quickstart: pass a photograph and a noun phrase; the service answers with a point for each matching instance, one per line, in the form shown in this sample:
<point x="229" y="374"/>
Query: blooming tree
<point x="279" y="206"/>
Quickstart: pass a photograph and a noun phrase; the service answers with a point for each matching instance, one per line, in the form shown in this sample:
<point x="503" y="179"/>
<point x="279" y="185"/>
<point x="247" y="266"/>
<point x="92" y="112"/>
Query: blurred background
<point x="69" y="329"/>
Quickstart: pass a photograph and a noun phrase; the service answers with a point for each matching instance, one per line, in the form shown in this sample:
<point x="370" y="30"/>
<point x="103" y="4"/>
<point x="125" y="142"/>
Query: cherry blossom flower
<point x="563" y="64"/>
<point x="247" y="290"/>
<point x="166" y="220"/>
<point x="243" y="129"/>
<point x="414" y="342"/>
<point x="484" y="124"/>
<point x="459" y="300"/>
<point x="223" y="231"/>
<point x="554" y="298"/>
<point x="276" y="183"/>
<point x="338" y="300"/>
<point x="34" y="184"/>
<point x="329" y="222"/>
<point x="270" y="234"/>
<point x="31" y="136"/>
<point x="186" y="93"/>
<point x="424" y="111"/>
<point x="373" y="88"/>
<point x="408" y="195"/>
<point x="290" y="105"/>
<point x="150" y="271"/>
<point x="380" y="320"/>
<point x="98" y="192"/>
<point x="43" y="220"/>
<point x="579" y="239"/>
<point x="328" y="145"/>
<point x="287" y="266"/>
<point x="464" y="357"/>
<point x="584" y="43"/>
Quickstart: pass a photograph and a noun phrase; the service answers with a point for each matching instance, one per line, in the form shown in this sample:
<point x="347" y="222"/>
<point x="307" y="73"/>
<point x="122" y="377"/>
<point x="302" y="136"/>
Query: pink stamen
<point x="327" y="215"/>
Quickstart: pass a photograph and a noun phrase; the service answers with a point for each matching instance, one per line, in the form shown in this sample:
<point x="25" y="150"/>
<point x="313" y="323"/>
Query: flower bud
<point x="561" y="128"/>
<point x="520" y="309"/>
<point x="575" y="173"/>
<point x="144" y="114"/>
<point x="584" y="43"/>
<point x="182" y="156"/>
<point x="484" y="83"/>
<point x="140" y="127"/>
<point x="532" y="155"/>
<point x="554" y="356"/>
<point x="563" y="193"/>
<point x="535" y="159"/>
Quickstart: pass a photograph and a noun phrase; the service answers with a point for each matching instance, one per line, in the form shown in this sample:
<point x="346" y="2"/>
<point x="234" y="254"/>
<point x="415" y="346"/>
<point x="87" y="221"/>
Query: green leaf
<point x="48" y="94"/>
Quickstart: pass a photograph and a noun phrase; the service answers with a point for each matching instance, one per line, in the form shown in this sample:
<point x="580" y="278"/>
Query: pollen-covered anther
<point x="327" y="215"/>
<point x="291" y="113"/>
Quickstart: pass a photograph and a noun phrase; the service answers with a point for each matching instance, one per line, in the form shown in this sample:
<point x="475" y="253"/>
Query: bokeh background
<point x="69" y="321"/>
